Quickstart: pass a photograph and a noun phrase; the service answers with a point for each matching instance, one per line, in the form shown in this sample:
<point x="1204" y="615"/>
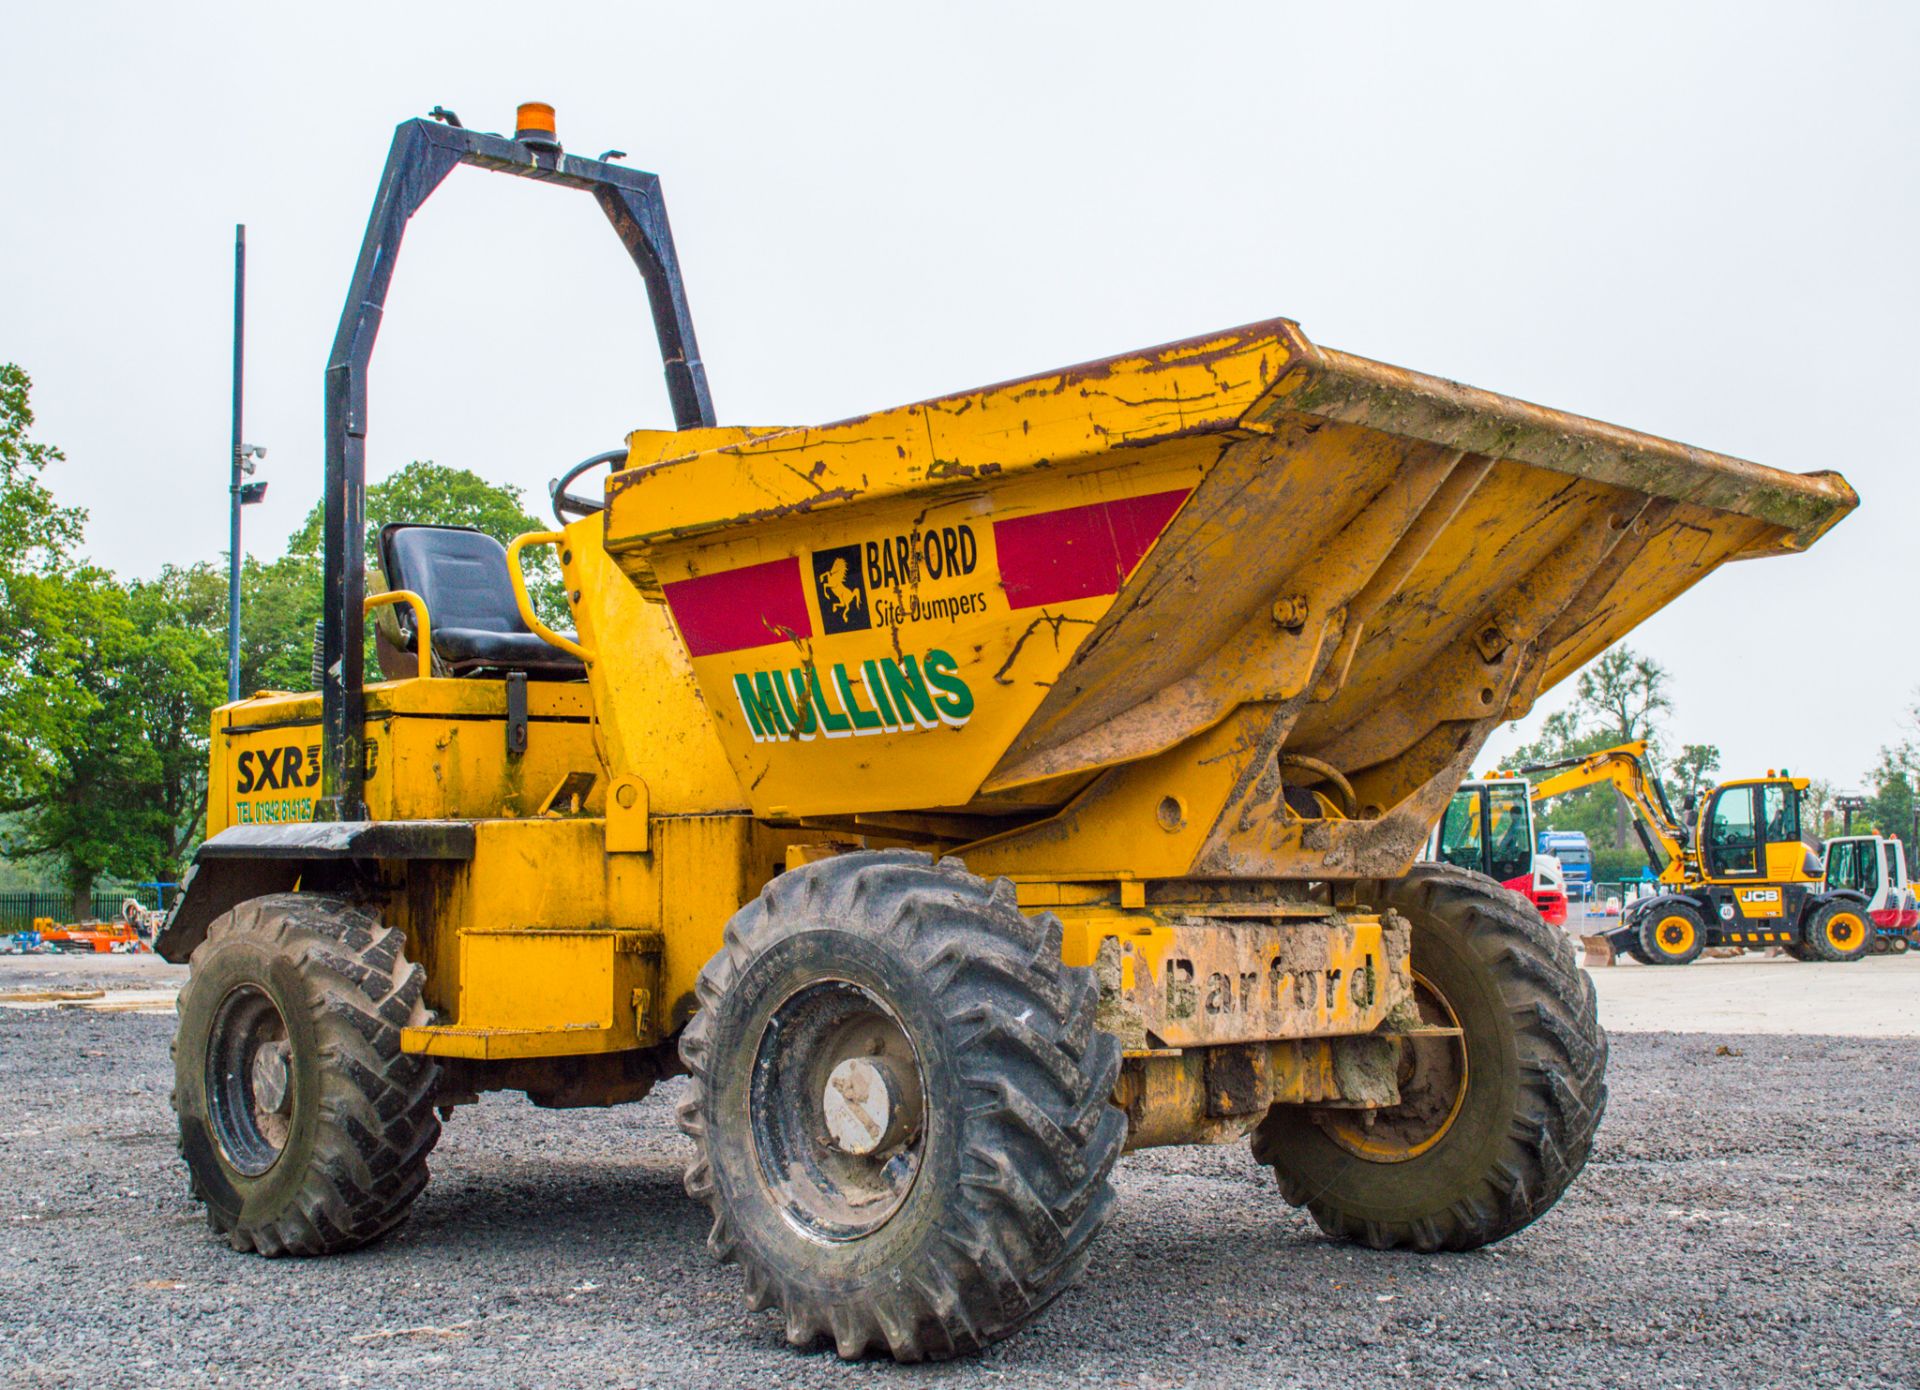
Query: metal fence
<point x="1593" y="910"/>
<point x="18" y="909"/>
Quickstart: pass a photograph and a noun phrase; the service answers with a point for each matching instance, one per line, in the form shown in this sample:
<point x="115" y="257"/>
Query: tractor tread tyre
<point x="1814" y="935"/>
<point x="363" y="1122"/>
<point x="1021" y="1135"/>
<point x="1536" y="1090"/>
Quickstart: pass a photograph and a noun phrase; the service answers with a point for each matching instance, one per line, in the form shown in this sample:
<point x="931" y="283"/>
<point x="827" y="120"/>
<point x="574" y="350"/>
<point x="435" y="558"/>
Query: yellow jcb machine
<point x="1738" y="876"/>
<point x="958" y="795"/>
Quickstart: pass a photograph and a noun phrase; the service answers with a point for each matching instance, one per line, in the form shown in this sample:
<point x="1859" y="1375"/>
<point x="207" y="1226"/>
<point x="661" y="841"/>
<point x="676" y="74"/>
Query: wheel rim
<point x="838" y="1111"/>
<point x="1844" y="931"/>
<point x="1433" y="1087"/>
<point x="1674" y="935"/>
<point x="250" y="1080"/>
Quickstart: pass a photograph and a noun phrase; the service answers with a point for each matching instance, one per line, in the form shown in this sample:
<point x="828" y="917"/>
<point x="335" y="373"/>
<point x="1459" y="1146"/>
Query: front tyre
<point x="899" y="1106"/>
<point x="1672" y="934"/>
<point x="1494" y="1122"/>
<point x="304" y="1127"/>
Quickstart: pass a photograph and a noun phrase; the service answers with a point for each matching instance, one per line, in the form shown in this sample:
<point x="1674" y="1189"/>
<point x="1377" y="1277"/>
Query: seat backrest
<point x="460" y="572"/>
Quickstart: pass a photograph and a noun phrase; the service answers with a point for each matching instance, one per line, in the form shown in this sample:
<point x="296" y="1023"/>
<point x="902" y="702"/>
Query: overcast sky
<point x="1696" y="220"/>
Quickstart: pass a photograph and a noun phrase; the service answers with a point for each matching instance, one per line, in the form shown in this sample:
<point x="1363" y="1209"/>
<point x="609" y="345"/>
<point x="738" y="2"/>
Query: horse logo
<point x="833" y="587"/>
<point x="841" y="583"/>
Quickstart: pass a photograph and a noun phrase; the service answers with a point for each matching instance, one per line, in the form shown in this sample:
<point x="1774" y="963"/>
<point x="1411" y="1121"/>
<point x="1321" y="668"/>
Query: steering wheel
<point x="568" y="506"/>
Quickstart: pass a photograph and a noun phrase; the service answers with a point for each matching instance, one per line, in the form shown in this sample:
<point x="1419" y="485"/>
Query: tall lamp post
<point x="241" y="493"/>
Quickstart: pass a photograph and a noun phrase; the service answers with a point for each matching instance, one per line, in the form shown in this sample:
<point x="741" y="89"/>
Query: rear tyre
<point x="1672" y="934"/>
<point x="899" y="1106"/>
<point x="304" y="1127"/>
<point x="1492" y="1126"/>
<point x="1838" y="931"/>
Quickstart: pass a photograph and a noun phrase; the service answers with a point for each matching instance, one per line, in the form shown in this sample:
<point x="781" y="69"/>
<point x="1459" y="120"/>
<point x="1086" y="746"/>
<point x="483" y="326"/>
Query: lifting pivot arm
<point x="1624" y="768"/>
<point x="422" y="155"/>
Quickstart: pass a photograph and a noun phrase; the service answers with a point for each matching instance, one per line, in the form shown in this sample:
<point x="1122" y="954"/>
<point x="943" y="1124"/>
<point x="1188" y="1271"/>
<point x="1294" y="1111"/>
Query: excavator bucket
<point x="1596" y="951"/>
<point x="1234" y="606"/>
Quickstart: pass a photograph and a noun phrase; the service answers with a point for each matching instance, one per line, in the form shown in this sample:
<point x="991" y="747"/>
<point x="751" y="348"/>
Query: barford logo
<point x="842" y="590"/>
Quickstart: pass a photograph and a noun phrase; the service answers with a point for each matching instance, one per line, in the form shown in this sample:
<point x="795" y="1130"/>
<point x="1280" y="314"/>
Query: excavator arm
<point x="1624" y="768"/>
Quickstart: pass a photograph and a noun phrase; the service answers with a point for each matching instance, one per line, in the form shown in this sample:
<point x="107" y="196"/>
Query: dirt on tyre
<point x="1672" y="934"/>
<point x="304" y="1127"/>
<point x="1493" y="1124"/>
<point x="900" y="1106"/>
<point x="1838" y="931"/>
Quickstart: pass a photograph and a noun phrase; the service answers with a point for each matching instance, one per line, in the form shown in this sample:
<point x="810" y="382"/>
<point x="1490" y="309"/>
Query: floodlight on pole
<point x="244" y="460"/>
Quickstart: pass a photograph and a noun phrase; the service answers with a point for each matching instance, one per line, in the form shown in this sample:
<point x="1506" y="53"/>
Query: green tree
<point x="39" y="700"/>
<point x="1691" y="773"/>
<point x="1618" y="699"/>
<point x="1624" y="694"/>
<point x="279" y="604"/>
<point x="181" y="665"/>
<point x="123" y="794"/>
<point x="1894" y="798"/>
<point x="1819" y="817"/>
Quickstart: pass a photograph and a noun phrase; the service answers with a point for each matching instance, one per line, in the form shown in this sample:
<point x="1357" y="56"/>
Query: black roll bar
<point x="422" y="155"/>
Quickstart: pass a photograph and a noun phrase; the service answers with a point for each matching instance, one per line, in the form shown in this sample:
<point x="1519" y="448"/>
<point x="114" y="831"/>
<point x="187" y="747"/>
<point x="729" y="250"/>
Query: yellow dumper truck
<point x="959" y="796"/>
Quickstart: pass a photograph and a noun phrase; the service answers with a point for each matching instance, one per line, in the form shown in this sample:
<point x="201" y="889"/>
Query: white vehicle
<point x="1488" y="827"/>
<point x="1876" y="865"/>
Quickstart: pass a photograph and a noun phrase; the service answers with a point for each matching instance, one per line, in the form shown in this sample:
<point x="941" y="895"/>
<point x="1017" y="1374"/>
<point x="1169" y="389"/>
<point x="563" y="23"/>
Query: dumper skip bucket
<point x="1238" y="605"/>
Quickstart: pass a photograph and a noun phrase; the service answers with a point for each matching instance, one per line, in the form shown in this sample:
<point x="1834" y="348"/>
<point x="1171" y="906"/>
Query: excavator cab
<point x="1750" y="831"/>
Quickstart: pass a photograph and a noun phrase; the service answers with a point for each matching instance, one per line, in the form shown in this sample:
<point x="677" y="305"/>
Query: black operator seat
<point x="477" y="631"/>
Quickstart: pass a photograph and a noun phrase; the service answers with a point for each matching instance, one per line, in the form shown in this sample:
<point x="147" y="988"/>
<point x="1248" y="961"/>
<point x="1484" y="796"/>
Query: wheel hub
<point x="1675" y="935"/>
<point x="862" y="1105"/>
<point x="272" y="1078"/>
<point x="838" y="1110"/>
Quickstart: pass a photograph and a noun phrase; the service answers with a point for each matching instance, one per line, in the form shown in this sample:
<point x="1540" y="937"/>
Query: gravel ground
<point x="1749" y="1219"/>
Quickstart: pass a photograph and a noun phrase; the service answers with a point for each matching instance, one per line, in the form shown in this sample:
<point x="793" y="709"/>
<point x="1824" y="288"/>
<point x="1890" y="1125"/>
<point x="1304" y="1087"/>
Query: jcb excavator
<point x="1739" y="876"/>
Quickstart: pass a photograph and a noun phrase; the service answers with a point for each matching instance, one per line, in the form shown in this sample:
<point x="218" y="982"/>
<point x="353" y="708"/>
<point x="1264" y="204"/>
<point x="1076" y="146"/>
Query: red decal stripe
<point x="733" y="609"/>
<point x="1079" y="552"/>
